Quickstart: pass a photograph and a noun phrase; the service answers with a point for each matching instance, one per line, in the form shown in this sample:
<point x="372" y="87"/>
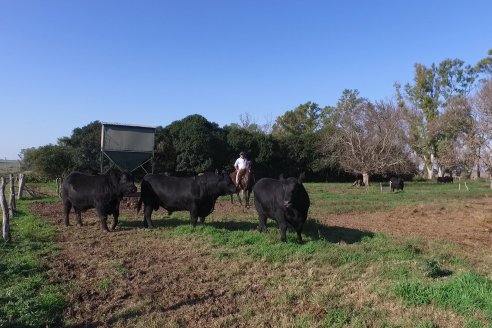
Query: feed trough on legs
<point x="127" y="147"/>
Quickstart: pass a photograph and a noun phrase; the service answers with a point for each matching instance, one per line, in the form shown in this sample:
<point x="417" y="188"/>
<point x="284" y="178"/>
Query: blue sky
<point x="64" y="64"/>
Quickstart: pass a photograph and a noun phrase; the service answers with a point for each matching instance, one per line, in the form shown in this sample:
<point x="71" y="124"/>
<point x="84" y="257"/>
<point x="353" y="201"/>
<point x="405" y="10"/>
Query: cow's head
<point x="290" y="188"/>
<point x="123" y="181"/>
<point x="225" y="184"/>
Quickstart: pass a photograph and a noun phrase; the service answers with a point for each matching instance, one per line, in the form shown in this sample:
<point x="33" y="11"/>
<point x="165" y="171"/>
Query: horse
<point x="245" y="184"/>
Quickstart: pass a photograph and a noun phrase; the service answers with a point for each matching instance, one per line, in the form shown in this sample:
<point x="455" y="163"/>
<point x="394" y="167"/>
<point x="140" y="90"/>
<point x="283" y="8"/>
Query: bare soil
<point x="136" y="277"/>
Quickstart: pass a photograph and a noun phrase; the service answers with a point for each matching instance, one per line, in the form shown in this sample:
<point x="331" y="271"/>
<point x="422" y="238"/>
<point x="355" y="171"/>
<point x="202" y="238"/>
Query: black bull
<point x="285" y="201"/>
<point x="194" y="194"/>
<point x="396" y="184"/>
<point x="102" y="192"/>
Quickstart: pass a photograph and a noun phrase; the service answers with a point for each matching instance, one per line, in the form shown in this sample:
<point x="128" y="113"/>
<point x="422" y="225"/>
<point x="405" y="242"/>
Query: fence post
<point x="12" y="204"/>
<point x="58" y="186"/>
<point x="21" y="185"/>
<point x="5" y="211"/>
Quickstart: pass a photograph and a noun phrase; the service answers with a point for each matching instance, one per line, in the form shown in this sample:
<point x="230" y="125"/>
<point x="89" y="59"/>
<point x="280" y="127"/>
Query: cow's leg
<point x="78" y="215"/>
<point x="147" y="221"/>
<point x="103" y="218"/>
<point x="116" y="214"/>
<point x="283" y="230"/>
<point x="201" y="219"/>
<point x="193" y="216"/>
<point x="67" y="206"/>
<point x="299" y="235"/>
<point x="262" y="218"/>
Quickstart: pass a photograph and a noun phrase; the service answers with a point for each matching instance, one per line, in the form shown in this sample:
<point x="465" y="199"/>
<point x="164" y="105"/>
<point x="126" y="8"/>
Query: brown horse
<point x="246" y="183"/>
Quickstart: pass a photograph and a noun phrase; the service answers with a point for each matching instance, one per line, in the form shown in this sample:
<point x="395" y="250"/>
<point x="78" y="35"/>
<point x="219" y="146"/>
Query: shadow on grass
<point x="312" y="229"/>
<point x="334" y="234"/>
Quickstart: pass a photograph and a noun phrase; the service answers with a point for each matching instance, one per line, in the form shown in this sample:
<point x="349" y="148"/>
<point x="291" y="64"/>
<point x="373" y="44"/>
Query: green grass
<point x="464" y="293"/>
<point x="410" y="273"/>
<point x="9" y="166"/>
<point x="26" y="297"/>
<point x="338" y="198"/>
<point x="413" y="271"/>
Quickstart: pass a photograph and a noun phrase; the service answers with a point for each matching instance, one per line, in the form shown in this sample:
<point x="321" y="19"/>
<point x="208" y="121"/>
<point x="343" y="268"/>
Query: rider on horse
<point x="240" y="165"/>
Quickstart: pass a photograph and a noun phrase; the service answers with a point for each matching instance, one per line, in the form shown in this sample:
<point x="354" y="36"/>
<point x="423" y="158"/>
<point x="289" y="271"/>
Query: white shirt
<point x="241" y="163"/>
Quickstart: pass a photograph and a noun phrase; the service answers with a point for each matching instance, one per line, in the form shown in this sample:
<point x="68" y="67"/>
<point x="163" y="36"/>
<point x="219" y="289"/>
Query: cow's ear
<point x="302" y="177"/>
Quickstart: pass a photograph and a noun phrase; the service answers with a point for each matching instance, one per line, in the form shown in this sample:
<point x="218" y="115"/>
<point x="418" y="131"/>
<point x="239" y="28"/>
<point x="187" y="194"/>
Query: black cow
<point x="285" y="200"/>
<point x="447" y="179"/>
<point x="194" y="194"/>
<point x="102" y="192"/>
<point x="396" y="184"/>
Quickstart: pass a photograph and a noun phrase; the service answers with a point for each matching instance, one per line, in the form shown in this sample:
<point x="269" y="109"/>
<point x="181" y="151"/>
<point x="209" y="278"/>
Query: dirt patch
<point x="138" y="277"/>
<point x="469" y="224"/>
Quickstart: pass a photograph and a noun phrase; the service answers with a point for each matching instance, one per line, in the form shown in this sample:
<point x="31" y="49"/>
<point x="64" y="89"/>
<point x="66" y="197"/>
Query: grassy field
<point x="367" y="279"/>
<point x="9" y="166"/>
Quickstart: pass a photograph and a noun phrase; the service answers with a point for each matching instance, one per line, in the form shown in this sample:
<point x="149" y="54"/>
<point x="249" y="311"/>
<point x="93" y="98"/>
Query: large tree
<point x="365" y="138"/>
<point x="433" y="87"/>
<point x="199" y="144"/>
<point x="298" y="134"/>
<point x="85" y="143"/>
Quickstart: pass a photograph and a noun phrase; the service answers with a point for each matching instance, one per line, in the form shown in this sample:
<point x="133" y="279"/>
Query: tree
<point x="298" y="134"/>
<point x="165" y="154"/>
<point x="49" y="161"/>
<point x="482" y="104"/>
<point x="260" y="147"/>
<point x="199" y="144"/>
<point x="455" y="129"/>
<point x="485" y="65"/>
<point x="86" y="145"/>
<point x="367" y="139"/>
<point x="432" y="89"/>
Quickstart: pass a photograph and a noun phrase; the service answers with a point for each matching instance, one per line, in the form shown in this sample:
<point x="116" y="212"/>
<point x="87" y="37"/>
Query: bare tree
<point x="367" y="139"/>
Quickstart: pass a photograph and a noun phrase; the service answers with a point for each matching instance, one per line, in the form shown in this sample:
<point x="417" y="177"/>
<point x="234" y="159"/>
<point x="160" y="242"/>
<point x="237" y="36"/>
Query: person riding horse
<point x="243" y="177"/>
<point x="240" y="165"/>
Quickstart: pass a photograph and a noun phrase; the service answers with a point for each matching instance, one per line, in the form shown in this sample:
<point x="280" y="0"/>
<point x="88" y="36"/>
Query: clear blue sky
<point x="64" y="64"/>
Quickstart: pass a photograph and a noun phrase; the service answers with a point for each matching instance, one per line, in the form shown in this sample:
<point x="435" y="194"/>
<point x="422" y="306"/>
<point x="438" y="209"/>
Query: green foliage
<point x="298" y="132"/>
<point x="85" y="143"/>
<point x="165" y="154"/>
<point x="199" y="144"/>
<point x="49" y="161"/>
<point x="26" y="299"/>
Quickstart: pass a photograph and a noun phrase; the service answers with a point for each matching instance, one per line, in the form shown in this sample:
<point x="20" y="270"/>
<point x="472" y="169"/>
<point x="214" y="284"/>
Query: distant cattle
<point x="446" y="179"/>
<point x="194" y="194"/>
<point x="102" y="192"/>
<point x="285" y="201"/>
<point x="396" y="184"/>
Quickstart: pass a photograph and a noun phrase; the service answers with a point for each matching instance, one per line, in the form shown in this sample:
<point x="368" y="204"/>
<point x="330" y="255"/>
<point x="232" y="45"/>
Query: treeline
<point x="192" y="145"/>
<point x="441" y="121"/>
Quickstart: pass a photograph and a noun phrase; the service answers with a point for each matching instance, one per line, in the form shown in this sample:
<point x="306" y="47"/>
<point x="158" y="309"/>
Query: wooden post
<point x="381" y="186"/>
<point x="466" y="187"/>
<point x="5" y="211"/>
<point x="58" y="186"/>
<point x="21" y="185"/>
<point x="12" y="205"/>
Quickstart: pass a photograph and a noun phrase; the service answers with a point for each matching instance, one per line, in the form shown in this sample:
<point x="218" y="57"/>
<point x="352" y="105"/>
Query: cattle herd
<point x="284" y="200"/>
